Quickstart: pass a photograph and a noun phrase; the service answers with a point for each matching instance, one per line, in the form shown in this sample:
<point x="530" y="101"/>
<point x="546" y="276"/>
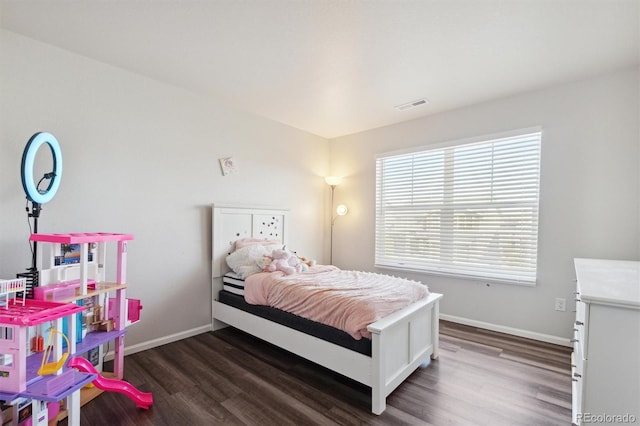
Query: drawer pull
<point x="575" y="380"/>
<point x="579" y="323"/>
<point x="574" y="340"/>
<point x="577" y="375"/>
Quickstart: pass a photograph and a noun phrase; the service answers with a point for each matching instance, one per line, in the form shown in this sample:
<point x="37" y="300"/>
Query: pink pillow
<point x="245" y="242"/>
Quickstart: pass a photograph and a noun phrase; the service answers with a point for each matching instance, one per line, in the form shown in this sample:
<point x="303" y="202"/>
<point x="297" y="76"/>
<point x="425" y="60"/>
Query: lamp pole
<point x="333" y="187"/>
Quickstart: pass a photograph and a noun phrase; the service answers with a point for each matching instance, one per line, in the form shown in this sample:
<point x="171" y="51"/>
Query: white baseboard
<point x="508" y="330"/>
<point x="128" y="350"/>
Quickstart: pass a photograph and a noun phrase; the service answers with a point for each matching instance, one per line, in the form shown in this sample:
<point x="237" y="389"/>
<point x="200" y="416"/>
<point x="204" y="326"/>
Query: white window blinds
<point x="468" y="210"/>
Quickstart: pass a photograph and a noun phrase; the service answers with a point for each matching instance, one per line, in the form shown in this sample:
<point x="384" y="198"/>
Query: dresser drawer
<point x="577" y="362"/>
<point x="580" y="327"/>
<point x="576" y="392"/>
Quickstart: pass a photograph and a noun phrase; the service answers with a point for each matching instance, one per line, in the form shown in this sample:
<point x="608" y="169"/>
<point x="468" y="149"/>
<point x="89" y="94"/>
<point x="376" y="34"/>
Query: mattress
<point x="233" y="283"/>
<point x="316" y="329"/>
<point x="344" y="299"/>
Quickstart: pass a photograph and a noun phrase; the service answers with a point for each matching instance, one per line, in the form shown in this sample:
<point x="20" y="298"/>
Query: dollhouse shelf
<point x="80" y="238"/>
<point x="100" y="288"/>
<point x="35" y="312"/>
<point x="38" y="391"/>
<point x="90" y="341"/>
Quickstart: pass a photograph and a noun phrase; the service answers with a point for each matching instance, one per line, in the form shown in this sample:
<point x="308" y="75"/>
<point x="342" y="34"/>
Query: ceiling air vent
<point x="412" y="104"/>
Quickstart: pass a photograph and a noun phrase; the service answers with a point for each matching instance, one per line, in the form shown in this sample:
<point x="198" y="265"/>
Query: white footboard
<point x="400" y="343"/>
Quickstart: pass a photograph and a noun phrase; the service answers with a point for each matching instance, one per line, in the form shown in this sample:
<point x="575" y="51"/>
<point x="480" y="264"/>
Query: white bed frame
<point x="400" y="341"/>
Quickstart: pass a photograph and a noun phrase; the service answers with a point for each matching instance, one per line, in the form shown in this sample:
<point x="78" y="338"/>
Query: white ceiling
<point x="336" y="67"/>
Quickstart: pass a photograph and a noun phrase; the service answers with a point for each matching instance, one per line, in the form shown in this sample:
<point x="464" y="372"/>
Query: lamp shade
<point x="333" y="180"/>
<point x="341" y="210"/>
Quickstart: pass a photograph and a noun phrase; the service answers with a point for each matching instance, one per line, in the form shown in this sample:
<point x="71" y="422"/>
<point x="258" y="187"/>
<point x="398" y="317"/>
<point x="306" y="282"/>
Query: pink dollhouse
<point x="67" y="291"/>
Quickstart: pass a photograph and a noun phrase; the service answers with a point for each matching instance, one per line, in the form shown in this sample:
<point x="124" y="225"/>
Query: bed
<point x="399" y="342"/>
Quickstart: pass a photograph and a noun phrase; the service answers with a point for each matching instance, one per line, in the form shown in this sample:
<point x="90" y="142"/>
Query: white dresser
<point x="606" y="350"/>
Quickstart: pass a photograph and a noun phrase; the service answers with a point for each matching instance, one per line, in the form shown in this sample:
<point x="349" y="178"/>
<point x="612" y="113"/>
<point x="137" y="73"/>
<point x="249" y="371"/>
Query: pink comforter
<point x="347" y="300"/>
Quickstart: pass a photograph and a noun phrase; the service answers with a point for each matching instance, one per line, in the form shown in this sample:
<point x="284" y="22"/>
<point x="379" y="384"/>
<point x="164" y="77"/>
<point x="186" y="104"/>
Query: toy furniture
<point x="10" y="288"/>
<point x="68" y="291"/>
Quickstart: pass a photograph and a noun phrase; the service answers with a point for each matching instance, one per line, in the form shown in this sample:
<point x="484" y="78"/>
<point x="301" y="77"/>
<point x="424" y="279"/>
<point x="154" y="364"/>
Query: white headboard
<point x="230" y="223"/>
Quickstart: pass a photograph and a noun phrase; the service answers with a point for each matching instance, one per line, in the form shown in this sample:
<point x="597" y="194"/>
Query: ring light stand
<point x="36" y="195"/>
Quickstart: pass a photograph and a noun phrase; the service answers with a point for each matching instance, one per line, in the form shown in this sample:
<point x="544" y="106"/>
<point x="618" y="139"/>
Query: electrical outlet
<point x="561" y="304"/>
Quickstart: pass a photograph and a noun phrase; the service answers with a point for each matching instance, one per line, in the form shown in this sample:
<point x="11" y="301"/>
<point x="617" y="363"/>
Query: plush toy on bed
<point x="308" y="262"/>
<point x="285" y="261"/>
<point x="264" y="262"/>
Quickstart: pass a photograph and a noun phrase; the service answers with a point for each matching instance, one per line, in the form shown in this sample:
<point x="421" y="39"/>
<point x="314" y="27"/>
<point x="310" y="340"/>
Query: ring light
<point x="28" y="159"/>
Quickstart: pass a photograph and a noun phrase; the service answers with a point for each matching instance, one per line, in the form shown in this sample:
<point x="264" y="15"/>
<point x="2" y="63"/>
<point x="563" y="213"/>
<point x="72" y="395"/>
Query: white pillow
<point x="244" y="261"/>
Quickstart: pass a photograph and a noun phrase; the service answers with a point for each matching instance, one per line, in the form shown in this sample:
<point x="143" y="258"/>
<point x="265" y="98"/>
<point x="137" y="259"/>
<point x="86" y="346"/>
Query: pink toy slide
<point x="142" y="399"/>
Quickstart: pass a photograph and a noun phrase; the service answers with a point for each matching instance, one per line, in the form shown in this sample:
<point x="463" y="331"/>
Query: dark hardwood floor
<point x="228" y="377"/>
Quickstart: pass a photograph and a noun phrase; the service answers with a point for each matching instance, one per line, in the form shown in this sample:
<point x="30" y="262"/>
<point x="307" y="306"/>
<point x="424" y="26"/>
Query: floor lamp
<point x="341" y="210"/>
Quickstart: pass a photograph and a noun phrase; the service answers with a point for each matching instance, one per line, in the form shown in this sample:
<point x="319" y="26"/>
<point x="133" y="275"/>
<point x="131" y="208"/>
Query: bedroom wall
<point x="141" y="157"/>
<point x="589" y="194"/>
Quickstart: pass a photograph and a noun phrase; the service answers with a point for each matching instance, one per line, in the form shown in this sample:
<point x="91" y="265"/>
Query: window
<point x="466" y="209"/>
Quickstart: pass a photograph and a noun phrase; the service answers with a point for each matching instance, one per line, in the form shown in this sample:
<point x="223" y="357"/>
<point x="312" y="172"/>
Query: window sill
<point x="486" y="280"/>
